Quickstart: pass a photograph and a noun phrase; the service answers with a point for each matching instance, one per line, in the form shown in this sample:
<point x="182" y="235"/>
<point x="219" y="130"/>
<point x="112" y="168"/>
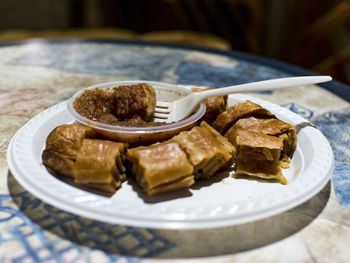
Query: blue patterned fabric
<point x="41" y="218"/>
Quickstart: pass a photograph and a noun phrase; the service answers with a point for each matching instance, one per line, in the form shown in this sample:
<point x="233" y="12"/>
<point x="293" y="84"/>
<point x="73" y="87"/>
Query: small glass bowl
<point x="136" y="136"/>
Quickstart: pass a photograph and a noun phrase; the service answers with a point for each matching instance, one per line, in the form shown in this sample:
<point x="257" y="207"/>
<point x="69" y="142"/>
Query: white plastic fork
<point x="172" y="111"/>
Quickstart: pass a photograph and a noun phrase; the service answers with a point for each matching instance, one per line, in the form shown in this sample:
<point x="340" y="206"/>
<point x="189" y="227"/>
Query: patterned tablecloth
<point x="38" y="74"/>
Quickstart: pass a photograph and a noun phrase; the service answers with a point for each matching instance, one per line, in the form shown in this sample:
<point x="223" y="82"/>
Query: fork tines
<point x="162" y="111"/>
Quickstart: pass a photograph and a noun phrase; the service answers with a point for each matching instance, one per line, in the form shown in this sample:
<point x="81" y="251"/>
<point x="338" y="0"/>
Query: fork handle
<point x="271" y="84"/>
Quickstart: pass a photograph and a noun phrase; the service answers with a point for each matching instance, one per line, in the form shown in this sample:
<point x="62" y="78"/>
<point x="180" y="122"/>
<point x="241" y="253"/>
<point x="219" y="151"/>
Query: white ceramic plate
<point x="221" y="201"/>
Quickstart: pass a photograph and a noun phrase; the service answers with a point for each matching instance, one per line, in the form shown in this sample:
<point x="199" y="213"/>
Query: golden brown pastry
<point x="241" y="110"/>
<point x="62" y="146"/>
<point x="161" y="167"/>
<point x="228" y="146"/>
<point x="214" y="106"/>
<point x="99" y="164"/>
<point x="258" y="155"/>
<point x="58" y="162"/>
<point x="274" y="127"/>
<point x="206" y="149"/>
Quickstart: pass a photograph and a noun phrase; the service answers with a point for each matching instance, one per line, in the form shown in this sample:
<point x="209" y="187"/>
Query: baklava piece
<point x="62" y="146"/>
<point x="99" y="165"/>
<point x="228" y="146"/>
<point x="258" y="155"/>
<point x="273" y="127"/>
<point x="226" y="119"/>
<point x="161" y="167"/>
<point x="214" y="105"/>
<point x="206" y="149"/>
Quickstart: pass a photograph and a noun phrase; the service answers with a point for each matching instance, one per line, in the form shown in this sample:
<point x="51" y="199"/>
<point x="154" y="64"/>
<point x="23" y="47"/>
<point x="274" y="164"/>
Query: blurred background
<point x="313" y="34"/>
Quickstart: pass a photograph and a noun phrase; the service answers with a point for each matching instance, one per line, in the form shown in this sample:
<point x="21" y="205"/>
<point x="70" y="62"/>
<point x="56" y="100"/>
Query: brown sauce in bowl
<point x="103" y="106"/>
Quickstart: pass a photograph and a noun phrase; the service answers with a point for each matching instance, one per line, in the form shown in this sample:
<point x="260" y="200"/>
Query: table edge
<point x="337" y="87"/>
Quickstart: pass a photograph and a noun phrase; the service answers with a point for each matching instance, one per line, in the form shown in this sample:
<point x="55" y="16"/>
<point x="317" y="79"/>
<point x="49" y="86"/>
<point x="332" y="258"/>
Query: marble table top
<point x="35" y="75"/>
